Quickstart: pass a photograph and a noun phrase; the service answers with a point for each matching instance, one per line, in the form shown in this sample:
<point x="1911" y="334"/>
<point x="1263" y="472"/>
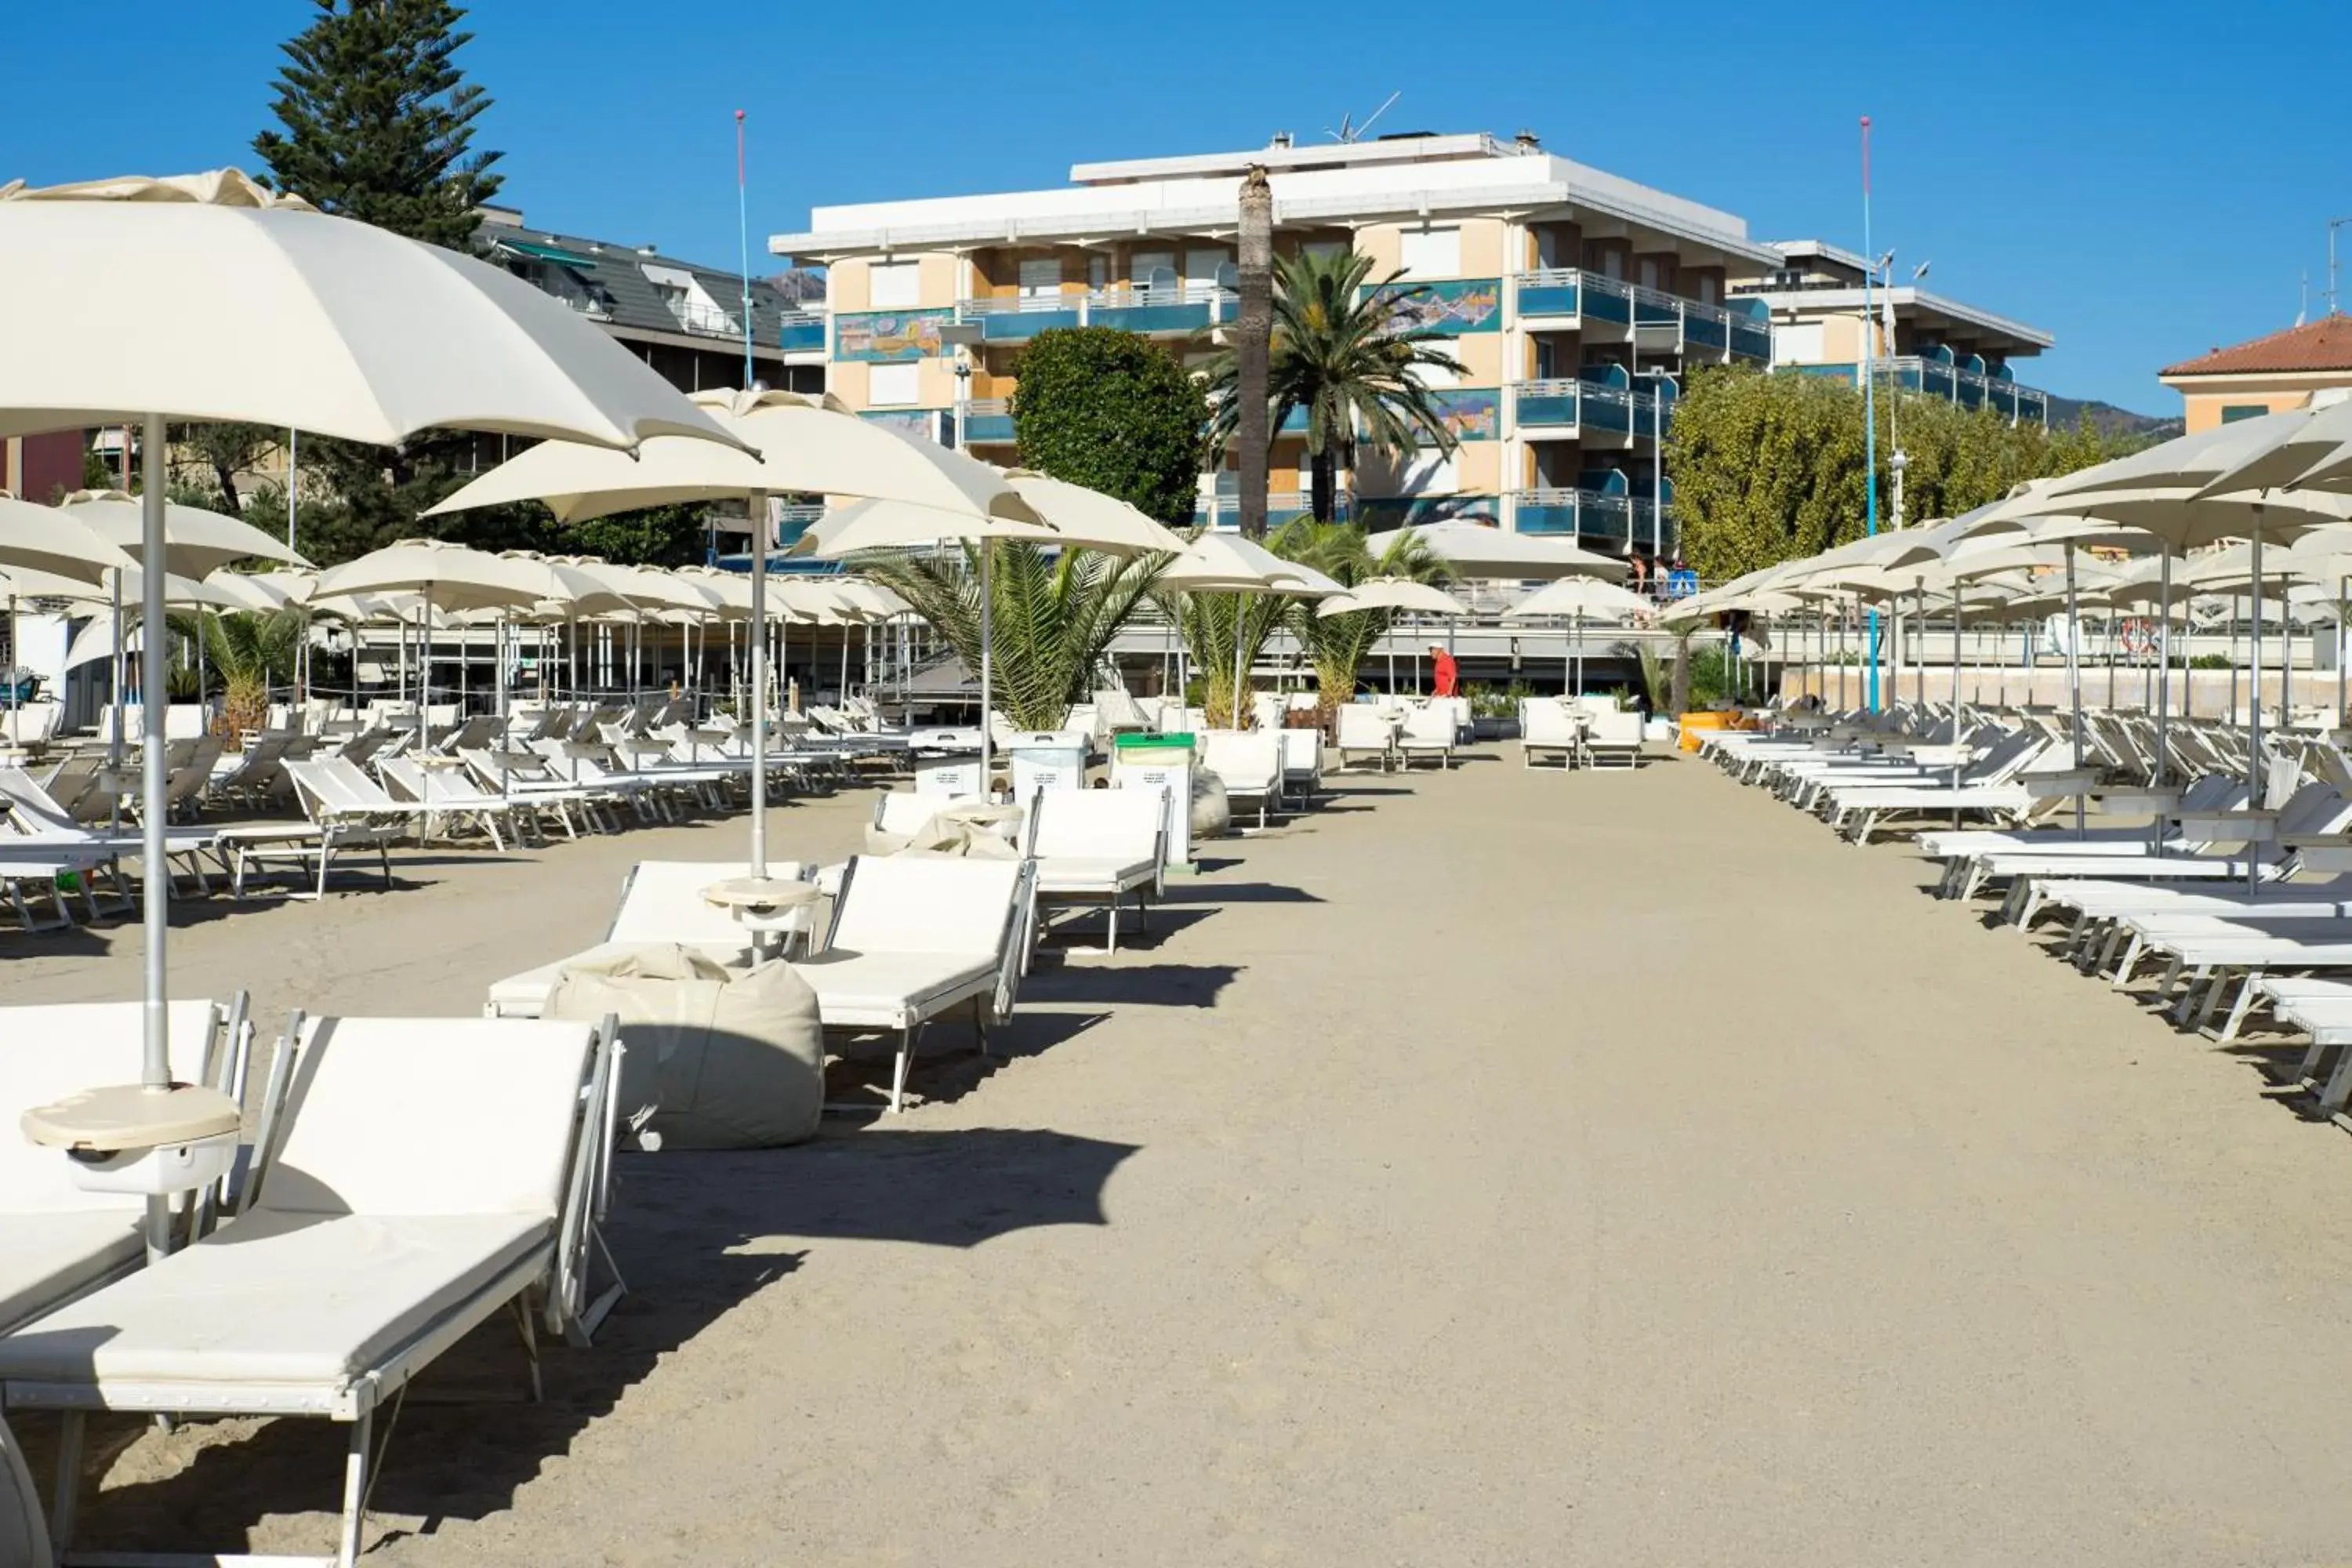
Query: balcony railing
<point x="709" y="321"/>
<point x="1628" y="521"/>
<point x="1569" y="407"/>
<point x="1225" y="509"/>
<point x="1185" y="307"/>
<point x="988" y="421"/>
<point x="801" y="330"/>
<point x="1954" y="383"/>
<point x="1666" y="323"/>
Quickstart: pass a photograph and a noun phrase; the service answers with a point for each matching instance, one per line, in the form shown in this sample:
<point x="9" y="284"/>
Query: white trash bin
<point x="947" y="762"/>
<point x="1048" y="759"/>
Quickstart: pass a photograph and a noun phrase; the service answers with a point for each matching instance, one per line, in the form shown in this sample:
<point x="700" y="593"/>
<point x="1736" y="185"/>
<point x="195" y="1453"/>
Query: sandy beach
<point x="1493" y="1167"/>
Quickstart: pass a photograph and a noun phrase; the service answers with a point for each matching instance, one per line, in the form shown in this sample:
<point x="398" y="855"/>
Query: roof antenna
<point x="1349" y="132"/>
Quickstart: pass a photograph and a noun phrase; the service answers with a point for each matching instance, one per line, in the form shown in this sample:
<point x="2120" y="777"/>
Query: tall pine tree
<point x="378" y="125"/>
<point x="380" y="120"/>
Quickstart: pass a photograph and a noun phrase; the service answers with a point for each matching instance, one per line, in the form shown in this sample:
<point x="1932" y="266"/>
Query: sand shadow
<point x="1110" y="983"/>
<point x="1181" y="894"/>
<point x="948" y="1063"/>
<point x="697" y="1233"/>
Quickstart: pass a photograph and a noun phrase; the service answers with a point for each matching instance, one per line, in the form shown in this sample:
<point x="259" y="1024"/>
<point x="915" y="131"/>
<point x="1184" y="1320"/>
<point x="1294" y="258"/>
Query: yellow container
<point x="1693" y="722"/>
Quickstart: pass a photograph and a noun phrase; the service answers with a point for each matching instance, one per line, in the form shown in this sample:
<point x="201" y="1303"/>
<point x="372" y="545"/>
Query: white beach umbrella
<point x="139" y="300"/>
<point x="1229" y="564"/>
<point x="46" y="539"/>
<point x="263" y="591"/>
<point x="799" y="447"/>
<point x="1098" y="521"/>
<point x="2307" y="449"/>
<point x="195" y="542"/>
<point x="1582" y="599"/>
<point x="1477" y="550"/>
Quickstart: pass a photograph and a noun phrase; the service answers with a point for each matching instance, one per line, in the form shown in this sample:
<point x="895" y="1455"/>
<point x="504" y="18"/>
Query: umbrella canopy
<point x="445" y="576"/>
<point x="797" y="445"/>
<point x="1229" y="564"/>
<point x="209" y="298"/>
<point x="1391" y="594"/>
<point x="1585" y="598"/>
<point x="1477" y="550"/>
<point x="45" y="539"/>
<point x="195" y="542"/>
<point x="2233" y="567"/>
<point x="1090" y="517"/>
<point x="887" y="524"/>
<point x="179" y="593"/>
<point x="263" y="591"/>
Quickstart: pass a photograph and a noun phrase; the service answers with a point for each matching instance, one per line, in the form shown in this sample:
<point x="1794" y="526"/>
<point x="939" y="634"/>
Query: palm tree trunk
<point x="1325" y="479"/>
<point x="1254" y="331"/>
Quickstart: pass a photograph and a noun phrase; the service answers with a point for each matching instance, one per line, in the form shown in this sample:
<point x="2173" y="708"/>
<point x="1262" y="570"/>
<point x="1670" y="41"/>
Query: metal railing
<point x="709" y="321"/>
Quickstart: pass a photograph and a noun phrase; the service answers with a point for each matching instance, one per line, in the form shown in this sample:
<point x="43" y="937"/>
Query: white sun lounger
<point x="57" y="1241"/>
<point x="1614" y="739"/>
<point x="1548" y="730"/>
<point x="443" y="787"/>
<point x="1428" y="732"/>
<point x="1366" y="731"/>
<point x="1098" y="845"/>
<point x="915" y="937"/>
<point x="427" y="1175"/>
<point x="661" y="902"/>
<point x="1248" y="762"/>
<point x="1302" y="764"/>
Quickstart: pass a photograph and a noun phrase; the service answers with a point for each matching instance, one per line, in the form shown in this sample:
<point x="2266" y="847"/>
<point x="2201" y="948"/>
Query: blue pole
<point x="1869" y="394"/>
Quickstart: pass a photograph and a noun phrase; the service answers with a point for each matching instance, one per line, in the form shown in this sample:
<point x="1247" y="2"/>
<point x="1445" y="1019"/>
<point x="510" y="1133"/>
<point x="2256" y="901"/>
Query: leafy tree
<point x="1767" y="468"/>
<point x="378" y="124"/>
<point x="213" y="456"/>
<point x="379" y="119"/>
<point x="1053" y="618"/>
<point x="1341" y="353"/>
<point x="1114" y="412"/>
<point x="657" y="536"/>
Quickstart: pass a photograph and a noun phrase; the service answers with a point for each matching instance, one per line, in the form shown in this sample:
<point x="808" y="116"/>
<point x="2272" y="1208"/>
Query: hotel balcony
<point x="1161" y="310"/>
<point x="988" y="421"/>
<point x="1576" y="410"/>
<point x="1611" y="309"/>
<point x="803" y="331"/>
<point x="1615" y="522"/>
<point x="1938" y="376"/>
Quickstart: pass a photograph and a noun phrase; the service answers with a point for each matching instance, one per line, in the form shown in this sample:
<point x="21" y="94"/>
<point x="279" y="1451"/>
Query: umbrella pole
<point x="1956" y="686"/>
<point x="2074" y="685"/>
<point x="155" y="876"/>
<point x="758" y="513"/>
<point x="987" y="655"/>
<point x="2255" y="727"/>
<point x="2343" y="716"/>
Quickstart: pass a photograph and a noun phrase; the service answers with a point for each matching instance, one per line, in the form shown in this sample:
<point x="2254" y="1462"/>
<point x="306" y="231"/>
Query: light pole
<point x="962" y="335"/>
<point x="1869" y="396"/>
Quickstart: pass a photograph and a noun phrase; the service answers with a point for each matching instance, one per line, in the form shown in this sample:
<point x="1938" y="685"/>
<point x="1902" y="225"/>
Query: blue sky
<point x="2143" y="180"/>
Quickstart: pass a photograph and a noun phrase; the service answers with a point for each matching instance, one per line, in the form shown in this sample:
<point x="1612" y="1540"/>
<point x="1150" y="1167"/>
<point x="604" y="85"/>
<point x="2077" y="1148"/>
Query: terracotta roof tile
<point x="2323" y="344"/>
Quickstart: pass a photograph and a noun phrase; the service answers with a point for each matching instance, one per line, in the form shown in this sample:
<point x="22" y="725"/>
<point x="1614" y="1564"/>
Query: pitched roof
<point x="2323" y="344"/>
<point x="616" y="284"/>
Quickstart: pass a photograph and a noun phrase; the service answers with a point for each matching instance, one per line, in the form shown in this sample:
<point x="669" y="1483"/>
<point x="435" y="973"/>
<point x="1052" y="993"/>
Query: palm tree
<point x="1252" y="346"/>
<point x="248" y="652"/>
<point x="1338" y="645"/>
<point x="1341" y="352"/>
<point x="1053" y="619"/>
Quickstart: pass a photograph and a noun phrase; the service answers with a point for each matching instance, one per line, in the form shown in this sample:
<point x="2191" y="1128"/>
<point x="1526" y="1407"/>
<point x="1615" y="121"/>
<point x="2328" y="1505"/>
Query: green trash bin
<point x="1162" y="763"/>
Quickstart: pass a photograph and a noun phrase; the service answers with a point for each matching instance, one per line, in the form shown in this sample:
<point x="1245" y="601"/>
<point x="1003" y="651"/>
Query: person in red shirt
<point x="1448" y="674"/>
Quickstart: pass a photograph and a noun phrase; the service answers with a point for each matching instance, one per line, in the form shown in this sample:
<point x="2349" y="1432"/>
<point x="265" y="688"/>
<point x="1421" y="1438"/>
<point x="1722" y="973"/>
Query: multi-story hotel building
<point x="1575" y="300"/>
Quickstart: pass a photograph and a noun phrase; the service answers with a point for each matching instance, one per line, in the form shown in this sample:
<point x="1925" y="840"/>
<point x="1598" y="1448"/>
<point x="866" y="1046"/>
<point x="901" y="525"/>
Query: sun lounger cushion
<point x="892" y="990"/>
<point x="47" y="1258"/>
<point x="720" y="1059"/>
<point x="1093" y="873"/>
<point x="277" y="1298"/>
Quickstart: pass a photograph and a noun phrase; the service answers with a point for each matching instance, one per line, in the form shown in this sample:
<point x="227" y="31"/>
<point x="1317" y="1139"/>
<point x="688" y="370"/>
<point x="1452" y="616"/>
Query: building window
<point x="893" y="385"/>
<point x="1432" y="252"/>
<point x="1705" y="295"/>
<point x="895" y="284"/>
<point x="1154" y="270"/>
<point x="1039" y="277"/>
<point x="2233" y="412"/>
<point x="1612" y="264"/>
<point x="1649" y="272"/>
<point x="1097" y="272"/>
<point x="1323" y="249"/>
<point x="1200" y="266"/>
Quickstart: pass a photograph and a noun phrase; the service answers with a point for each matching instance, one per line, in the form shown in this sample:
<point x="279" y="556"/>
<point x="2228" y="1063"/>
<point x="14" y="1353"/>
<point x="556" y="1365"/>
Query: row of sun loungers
<point x="2221" y="908"/>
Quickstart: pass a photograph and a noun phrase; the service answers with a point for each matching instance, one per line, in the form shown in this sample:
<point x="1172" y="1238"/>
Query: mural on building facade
<point x="890" y="334"/>
<point x="922" y="424"/>
<point x="1471" y="413"/>
<point x="1450" y="309"/>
